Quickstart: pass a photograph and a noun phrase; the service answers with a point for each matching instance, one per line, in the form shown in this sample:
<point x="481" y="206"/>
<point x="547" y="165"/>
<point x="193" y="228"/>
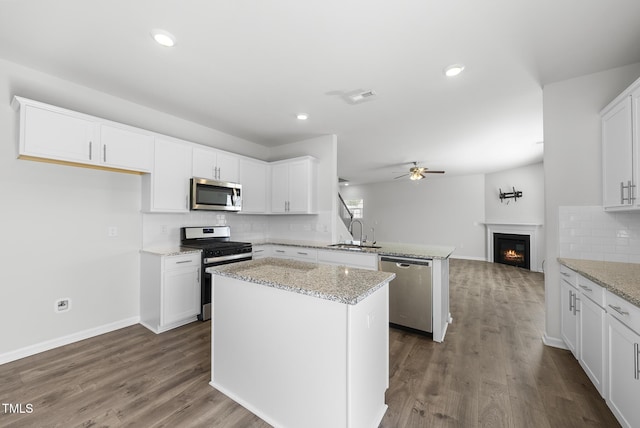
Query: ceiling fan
<point x="417" y="172"/>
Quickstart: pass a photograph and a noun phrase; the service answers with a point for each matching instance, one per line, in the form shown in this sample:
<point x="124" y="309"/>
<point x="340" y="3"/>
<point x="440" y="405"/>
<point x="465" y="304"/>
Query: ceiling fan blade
<point x="433" y="172"/>
<point x="400" y="176"/>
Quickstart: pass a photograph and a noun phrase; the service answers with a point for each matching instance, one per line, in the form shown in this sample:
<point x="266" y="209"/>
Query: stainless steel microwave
<point x="215" y="195"/>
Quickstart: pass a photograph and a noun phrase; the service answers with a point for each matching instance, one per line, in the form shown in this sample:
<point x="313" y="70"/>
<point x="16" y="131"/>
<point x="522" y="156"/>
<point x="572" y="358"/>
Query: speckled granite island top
<point x="622" y="279"/>
<point x="336" y="283"/>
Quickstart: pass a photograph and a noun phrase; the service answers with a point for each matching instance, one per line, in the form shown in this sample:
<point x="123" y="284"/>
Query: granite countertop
<point x="335" y="283"/>
<point x="622" y="279"/>
<point x="170" y="251"/>
<point x="386" y="248"/>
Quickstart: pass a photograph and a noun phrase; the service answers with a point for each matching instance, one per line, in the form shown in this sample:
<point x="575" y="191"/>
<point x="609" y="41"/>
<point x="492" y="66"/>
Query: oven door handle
<point x="240" y="257"/>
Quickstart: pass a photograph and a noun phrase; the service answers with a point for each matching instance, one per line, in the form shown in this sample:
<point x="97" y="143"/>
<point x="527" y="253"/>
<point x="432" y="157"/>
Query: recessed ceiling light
<point x="302" y="116"/>
<point x="453" y="70"/>
<point x="163" y="37"/>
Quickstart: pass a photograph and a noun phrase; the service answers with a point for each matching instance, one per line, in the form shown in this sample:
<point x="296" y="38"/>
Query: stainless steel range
<point x="217" y="249"/>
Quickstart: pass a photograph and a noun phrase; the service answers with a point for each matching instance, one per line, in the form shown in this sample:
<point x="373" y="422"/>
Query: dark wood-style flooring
<point x="491" y="371"/>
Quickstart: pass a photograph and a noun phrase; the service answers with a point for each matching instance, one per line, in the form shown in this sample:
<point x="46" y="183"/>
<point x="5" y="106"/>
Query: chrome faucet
<point x="355" y="220"/>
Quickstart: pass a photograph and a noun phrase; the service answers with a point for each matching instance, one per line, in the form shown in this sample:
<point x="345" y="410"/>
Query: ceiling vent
<point x="360" y="96"/>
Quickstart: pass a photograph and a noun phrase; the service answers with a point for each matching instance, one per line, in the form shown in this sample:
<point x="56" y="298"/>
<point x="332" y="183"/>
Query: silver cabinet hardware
<point x="303" y="253"/>
<point x="629" y="187"/>
<point x="584" y="287"/>
<point x="636" y="361"/>
<point x="575" y="303"/>
<point x="570" y="301"/>
<point x="183" y="261"/>
<point x="565" y="274"/>
<point x="619" y="310"/>
<point x="198" y="277"/>
<point x="104" y="153"/>
<point x="279" y="251"/>
<point x="90" y="150"/>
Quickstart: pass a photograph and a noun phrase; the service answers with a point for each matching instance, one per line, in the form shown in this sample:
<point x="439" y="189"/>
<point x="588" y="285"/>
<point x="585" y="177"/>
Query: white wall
<point x="572" y="162"/>
<point x="55" y="219"/>
<point x="437" y="211"/>
<point x="528" y="209"/>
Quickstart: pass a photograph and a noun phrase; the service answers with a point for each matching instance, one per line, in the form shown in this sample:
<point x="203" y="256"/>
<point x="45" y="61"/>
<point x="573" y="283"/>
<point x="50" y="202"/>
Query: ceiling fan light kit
<point x="417" y="172"/>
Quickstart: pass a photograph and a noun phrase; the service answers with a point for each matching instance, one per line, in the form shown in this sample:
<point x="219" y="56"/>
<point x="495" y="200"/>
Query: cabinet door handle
<point x="104" y="153"/>
<point x="584" y="287"/>
<point x="183" y="261"/>
<point x="565" y="274"/>
<point x="90" y="150"/>
<point x="619" y="310"/>
<point x="302" y="253"/>
<point x="279" y="251"/>
<point x="622" y="198"/>
<point x="198" y="277"/>
<point x="631" y="192"/>
<point x="570" y="301"/>
<point x="575" y="303"/>
<point x="636" y="361"/>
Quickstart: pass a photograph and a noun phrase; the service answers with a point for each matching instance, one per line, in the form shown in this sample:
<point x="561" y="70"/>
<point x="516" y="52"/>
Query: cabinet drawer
<point x="568" y="275"/>
<point x="591" y="290"/>
<point x="624" y="311"/>
<point x="297" y="253"/>
<point x="343" y="258"/>
<point x="187" y="260"/>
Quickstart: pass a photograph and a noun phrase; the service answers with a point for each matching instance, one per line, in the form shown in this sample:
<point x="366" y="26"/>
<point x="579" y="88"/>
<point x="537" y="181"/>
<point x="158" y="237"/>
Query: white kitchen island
<point x="302" y="344"/>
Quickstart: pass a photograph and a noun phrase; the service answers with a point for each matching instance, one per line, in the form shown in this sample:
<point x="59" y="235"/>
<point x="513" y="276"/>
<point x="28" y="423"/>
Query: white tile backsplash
<point x="589" y="232"/>
<point x="163" y="230"/>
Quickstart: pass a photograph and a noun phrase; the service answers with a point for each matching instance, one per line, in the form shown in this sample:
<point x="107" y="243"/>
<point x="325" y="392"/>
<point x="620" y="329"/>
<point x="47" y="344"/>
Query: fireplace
<point x="512" y="249"/>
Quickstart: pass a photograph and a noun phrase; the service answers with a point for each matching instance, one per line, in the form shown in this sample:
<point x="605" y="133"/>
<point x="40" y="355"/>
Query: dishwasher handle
<point x="405" y="263"/>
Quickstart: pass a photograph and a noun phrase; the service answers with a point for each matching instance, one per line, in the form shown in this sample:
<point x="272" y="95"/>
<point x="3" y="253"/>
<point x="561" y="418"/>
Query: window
<point x="356" y="206"/>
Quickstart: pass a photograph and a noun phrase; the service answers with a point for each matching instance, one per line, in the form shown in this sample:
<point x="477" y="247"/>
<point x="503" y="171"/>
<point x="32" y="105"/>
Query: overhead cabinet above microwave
<point x="51" y="133"/>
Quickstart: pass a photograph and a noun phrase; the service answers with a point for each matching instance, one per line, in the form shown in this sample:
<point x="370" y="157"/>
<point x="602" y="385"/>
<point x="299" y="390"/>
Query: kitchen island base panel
<point x="297" y="360"/>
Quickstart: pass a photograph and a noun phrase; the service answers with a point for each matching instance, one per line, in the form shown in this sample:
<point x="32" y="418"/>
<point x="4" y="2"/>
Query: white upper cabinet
<point x="254" y="180"/>
<point x="620" y="157"/>
<point x="215" y="165"/>
<point x="126" y="149"/>
<point x="167" y="188"/>
<point x="57" y="134"/>
<point x="294" y="186"/>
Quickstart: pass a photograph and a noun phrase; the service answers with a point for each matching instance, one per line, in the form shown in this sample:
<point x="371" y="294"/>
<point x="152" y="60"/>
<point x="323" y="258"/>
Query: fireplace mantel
<point x="530" y="229"/>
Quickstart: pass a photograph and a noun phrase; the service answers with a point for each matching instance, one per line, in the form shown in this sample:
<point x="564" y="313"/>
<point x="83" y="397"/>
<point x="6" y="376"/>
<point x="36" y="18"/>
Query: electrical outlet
<point x="112" y="231"/>
<point x="63" y="305"/>
<point x="163" y="229"/>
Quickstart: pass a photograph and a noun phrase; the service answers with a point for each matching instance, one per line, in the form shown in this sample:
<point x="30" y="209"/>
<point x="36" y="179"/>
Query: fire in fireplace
<point x="510" y="249"/>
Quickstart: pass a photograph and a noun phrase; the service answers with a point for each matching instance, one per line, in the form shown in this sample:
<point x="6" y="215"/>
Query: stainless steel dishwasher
<point x="409" y="292"/>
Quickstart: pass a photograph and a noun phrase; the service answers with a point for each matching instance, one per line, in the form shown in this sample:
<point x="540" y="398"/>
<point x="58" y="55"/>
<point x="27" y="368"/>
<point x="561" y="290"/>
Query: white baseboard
<point x="554" y="342"/>
<point x="65" y="340"/>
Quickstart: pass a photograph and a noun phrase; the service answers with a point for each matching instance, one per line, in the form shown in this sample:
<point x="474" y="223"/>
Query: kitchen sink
<point x="354" y="247"/>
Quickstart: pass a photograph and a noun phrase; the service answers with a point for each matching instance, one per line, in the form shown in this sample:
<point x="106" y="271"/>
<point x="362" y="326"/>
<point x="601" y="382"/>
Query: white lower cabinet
<point x="569" y="311"/>
<point x="170" y="290"/>
<point x="349" y="259"/>
<point x="623" y="325"/>
<point x="261" y="251"/>
<point x="592" y="333"/>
